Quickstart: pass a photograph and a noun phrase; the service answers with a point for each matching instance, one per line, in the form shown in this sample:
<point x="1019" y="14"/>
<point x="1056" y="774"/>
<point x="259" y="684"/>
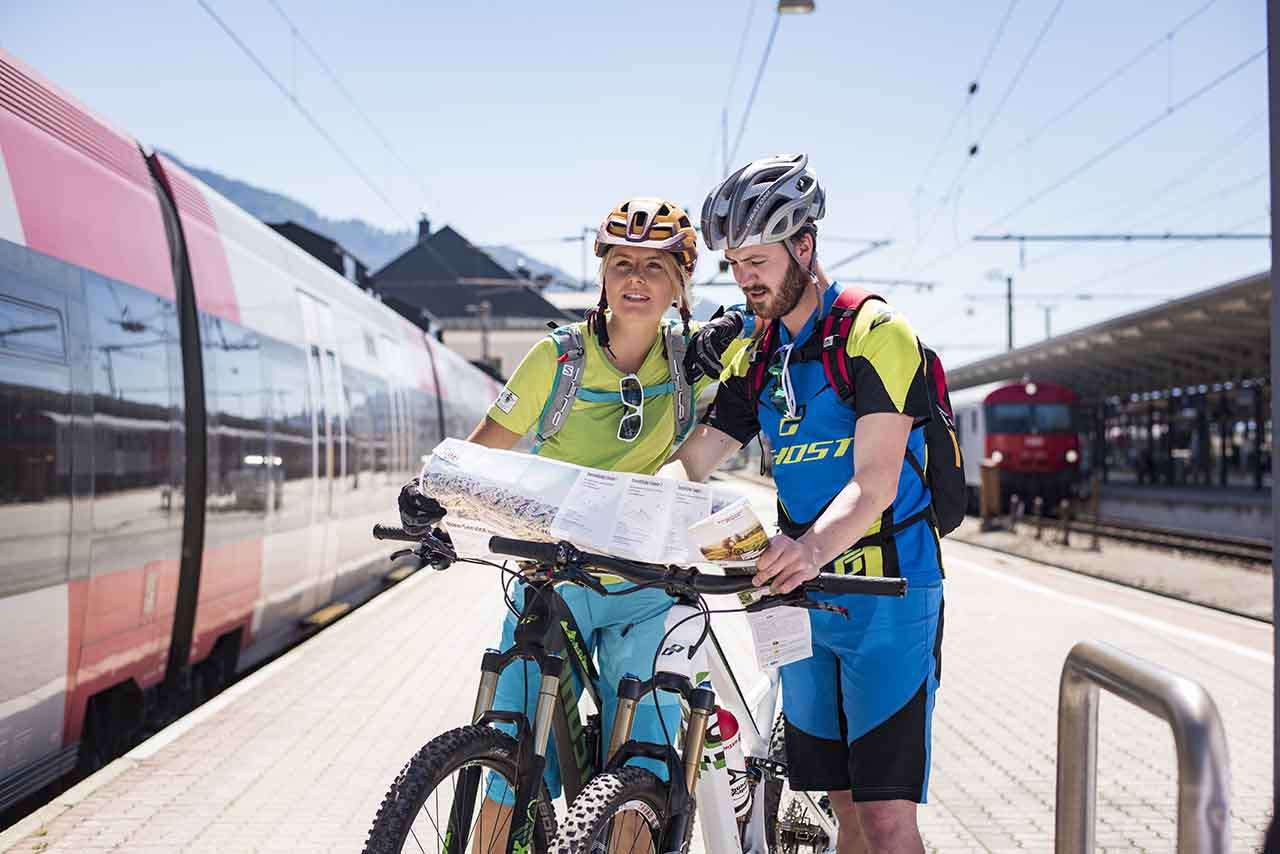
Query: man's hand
<point x="786" y="564"/>
<point x="708" y="345"/>
<point x="418" y="513"/>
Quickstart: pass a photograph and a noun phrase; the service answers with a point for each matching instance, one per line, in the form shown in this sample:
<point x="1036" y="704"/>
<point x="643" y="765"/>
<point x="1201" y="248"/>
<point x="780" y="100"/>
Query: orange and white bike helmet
<point x="651" y="223"/>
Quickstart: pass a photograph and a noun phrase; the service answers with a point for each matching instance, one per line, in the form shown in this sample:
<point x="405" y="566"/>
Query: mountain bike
<point x="436" y="803"/>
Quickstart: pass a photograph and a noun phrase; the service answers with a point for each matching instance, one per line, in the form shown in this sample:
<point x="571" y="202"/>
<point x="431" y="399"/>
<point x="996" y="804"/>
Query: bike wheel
<point x="444" y="781"/>
<point x="622" y="812"/>
<point x="794" y="822"/>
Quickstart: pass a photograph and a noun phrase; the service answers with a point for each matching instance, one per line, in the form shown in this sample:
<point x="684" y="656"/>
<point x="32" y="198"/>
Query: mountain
<point x="370" y="244"/>
<point x="513" y="260"/>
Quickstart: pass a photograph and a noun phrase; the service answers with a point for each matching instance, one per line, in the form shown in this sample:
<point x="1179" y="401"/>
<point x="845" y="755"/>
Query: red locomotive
<point x="1028" y="429"/>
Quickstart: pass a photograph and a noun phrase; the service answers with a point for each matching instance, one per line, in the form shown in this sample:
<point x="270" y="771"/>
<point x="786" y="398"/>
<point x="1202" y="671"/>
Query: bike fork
<point x="464" y="802"/>
<point x="529" y="785"/>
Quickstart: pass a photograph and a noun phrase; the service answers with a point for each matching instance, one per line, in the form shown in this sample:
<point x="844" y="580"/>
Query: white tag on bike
<point x="781" y="636"/>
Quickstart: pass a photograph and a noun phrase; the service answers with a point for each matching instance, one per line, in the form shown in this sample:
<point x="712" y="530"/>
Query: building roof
<point x="512" y="306"/>
<point x="1216" y="335"/>
<point x="444" y="273"/>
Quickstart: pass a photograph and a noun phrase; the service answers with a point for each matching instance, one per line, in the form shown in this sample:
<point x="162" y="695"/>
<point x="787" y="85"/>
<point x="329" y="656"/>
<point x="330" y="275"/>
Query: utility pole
<point x="1008" y="299"/>
<point x="1273" y="109"/>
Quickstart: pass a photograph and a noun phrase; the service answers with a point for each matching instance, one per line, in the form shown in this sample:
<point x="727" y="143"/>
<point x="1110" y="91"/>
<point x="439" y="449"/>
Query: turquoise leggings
<point x="622" y="633"/>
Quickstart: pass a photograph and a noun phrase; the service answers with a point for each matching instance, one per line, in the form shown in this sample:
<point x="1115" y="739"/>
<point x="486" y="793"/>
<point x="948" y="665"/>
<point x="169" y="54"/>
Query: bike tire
<point x="433" y="764"/>
<point x="603" y="798"/>
<point x="778" y="798"/>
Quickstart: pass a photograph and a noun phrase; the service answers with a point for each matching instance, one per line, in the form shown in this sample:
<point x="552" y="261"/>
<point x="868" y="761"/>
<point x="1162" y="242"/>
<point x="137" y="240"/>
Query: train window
<point x="35" y="469"/>
<point x="31" y="329"/>
<point x="1053" y="418"/>
<point x="1009" y="418"/>
<point x="290" y="430"/>
<point x="244" y="477"/>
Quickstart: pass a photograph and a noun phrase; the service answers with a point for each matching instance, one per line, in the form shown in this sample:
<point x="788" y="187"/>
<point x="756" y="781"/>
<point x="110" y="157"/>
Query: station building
<point x="1175" y="406"/>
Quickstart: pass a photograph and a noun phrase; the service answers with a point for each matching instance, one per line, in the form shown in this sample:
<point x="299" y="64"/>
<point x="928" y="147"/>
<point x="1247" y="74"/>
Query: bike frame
<point x="689" y="658"/>
<point x="545" y="631"/>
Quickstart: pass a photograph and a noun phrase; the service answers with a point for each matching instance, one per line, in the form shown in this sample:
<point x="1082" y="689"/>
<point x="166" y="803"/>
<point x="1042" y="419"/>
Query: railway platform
<point x="297" y="756"/>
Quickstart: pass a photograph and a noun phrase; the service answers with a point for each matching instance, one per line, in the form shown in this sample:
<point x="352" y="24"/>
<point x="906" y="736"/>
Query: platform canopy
<point x="1217" y="335"/>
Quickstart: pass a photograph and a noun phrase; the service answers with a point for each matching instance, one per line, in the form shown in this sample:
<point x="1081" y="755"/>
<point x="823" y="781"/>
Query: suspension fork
<point x="464" y="802"/>
<point x="529" y="784"/>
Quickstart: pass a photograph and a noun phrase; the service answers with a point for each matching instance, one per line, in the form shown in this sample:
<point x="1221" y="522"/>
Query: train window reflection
<point x="290" y="439"/>
<point x="26" y="328"/>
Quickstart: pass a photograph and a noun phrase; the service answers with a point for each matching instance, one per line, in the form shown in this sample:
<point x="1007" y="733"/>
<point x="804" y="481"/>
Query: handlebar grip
<point x="540" y="552"/>
<point x="829" y="582"/>
<point x="393" y="532"/>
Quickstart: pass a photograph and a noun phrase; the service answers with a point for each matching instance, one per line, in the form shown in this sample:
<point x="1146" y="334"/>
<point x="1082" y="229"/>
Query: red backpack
<point x="943" y="470"/>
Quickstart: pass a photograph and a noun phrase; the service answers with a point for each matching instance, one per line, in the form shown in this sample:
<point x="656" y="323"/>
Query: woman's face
<point x="638" y="283"/>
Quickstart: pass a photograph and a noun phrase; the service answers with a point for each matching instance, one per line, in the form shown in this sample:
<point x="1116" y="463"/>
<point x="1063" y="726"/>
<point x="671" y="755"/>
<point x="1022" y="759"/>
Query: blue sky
<point x="523" y="122"/>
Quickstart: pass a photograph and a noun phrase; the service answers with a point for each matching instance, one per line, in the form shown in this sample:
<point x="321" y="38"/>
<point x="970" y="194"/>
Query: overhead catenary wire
<point x="721" y="137"/>
<point x="755" y="87"/>
<point x="315" y="124"/>
<point x="1093" y="91"/>
<point x="355" y="106"/>
<point x="976" y="146"/>
<point x="972" y="90"/>
<point x="1106" y="152"/>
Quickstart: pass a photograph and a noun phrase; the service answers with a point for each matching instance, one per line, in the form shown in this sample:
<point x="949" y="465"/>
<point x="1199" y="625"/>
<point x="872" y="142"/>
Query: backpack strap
<point x="757" y="372"/>
<point x="676" y="345"/>
<point x="570" y="360"/>
<point x="834" y="339"/>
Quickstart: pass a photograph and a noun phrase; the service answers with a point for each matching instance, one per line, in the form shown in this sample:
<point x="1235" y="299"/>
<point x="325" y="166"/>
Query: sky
<point x="523" y="123"/>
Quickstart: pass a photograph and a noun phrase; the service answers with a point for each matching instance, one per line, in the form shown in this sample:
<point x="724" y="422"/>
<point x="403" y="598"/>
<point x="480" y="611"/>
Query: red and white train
<point x="198" y="425"/>
<point x="1028" y="429"/>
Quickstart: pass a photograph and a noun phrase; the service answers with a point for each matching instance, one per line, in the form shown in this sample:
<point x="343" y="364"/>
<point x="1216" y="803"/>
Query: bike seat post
<point x="548" y="691"/>
<point x="490" y="670"/>
<point x="702" y="702"/>
<point x="629" y="689"/>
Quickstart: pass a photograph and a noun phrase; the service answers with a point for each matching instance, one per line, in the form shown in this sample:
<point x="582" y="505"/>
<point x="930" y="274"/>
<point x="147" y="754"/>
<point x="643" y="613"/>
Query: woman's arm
<point x="491" y="434"/>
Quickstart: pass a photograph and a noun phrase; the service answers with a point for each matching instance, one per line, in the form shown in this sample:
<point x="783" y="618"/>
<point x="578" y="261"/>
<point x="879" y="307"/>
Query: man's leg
<point x="889" y="827"/>
<point x="850" y="839"/>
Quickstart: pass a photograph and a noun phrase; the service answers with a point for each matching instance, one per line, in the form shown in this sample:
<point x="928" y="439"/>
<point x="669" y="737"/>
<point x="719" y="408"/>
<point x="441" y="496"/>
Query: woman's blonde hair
<point x="683" y="295"/>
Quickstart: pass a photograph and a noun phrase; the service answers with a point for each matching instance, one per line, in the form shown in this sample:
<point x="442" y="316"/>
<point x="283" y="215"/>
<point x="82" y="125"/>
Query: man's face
<point x="770" y="280"/>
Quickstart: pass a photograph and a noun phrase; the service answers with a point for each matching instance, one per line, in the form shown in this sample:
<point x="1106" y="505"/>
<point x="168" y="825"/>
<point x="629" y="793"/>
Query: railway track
<point x="1238" y="548"/>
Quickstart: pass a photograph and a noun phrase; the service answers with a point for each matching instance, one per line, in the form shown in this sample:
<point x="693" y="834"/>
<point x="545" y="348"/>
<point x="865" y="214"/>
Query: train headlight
<point x="1073" y="456"/>
<point x="997" y="457"/>
<point x="1030" y="389"/>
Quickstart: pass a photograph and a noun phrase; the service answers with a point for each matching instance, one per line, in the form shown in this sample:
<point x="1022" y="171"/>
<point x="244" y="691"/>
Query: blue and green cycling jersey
<point x="813" y="451"/>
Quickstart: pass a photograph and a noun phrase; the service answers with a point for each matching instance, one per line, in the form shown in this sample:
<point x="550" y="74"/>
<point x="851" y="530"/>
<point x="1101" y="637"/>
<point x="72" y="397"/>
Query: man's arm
<point x="703" y="452"/>
<point x="878" y="452"/>
<point x="729" y="424"/>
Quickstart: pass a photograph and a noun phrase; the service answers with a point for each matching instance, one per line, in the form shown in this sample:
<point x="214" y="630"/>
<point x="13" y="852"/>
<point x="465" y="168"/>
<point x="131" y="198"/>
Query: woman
<point x="622" y="419"/>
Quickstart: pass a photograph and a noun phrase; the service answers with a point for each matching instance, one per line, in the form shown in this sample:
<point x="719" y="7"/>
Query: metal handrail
<point x="1201" y="745"/>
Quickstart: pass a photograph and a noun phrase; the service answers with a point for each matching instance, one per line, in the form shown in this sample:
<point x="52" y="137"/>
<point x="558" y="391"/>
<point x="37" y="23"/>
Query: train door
<point x="328" y="451"/>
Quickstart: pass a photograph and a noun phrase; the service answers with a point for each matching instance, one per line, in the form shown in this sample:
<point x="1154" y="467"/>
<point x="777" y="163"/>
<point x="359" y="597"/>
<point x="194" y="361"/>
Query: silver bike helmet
<point x="766" y="201"/>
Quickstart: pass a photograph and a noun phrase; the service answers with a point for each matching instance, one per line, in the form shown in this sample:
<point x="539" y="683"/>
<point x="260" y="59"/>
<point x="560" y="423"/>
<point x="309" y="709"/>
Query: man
<point x="849" y="500"/>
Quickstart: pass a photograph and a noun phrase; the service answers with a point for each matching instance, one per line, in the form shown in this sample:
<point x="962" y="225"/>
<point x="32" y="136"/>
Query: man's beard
<point x="788" y="296"/>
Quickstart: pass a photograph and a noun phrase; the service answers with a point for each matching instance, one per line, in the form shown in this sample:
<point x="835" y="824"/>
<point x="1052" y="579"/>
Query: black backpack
<point x="943" y="471"/>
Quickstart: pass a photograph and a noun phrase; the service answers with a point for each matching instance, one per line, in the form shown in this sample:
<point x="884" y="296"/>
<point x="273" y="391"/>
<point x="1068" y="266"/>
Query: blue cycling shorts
<point x="859" y="711"/>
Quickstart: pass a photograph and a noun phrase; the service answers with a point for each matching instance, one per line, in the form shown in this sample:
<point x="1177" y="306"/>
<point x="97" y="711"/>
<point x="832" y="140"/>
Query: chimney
<point x="424" y="228"/>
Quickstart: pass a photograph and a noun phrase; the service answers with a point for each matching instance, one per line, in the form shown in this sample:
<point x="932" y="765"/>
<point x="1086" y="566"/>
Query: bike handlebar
<point x="643" y="573"/>
<point x="393" y="532"/>
<point x="552" y="554"/>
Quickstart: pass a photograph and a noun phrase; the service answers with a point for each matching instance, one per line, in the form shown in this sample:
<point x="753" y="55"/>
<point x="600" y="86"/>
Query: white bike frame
<point x="682" y="654"/>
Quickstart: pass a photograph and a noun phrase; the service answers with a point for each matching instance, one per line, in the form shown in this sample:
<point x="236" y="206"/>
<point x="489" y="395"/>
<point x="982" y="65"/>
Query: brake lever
<point x="794" y="599"/>
<point x="581" y="576"/>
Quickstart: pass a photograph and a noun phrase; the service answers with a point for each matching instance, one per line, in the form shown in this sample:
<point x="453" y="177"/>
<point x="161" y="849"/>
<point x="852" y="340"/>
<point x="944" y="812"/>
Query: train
<point x="1029" y="430"/>
<point x="199" y="423"/>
